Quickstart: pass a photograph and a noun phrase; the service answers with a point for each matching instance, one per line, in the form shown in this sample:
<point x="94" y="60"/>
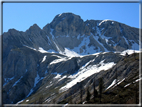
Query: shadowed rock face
<point x="26" y="68"/>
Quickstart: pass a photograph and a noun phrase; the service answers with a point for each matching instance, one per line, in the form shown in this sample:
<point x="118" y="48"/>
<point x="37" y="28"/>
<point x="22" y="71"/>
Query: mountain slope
<point x="59" y="56"/>
<point x="125" y="92"/>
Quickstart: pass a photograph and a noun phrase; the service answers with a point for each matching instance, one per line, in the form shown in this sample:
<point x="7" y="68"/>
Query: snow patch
<point x="59" y="60"/>
<point x="62" y="78"/>
<point x="120" y="81"/>
<point x="85" y="72"/>
<point x="133" y="82"/>
<point x="48" y="86"/>
<point x="83" y="48"/>
<point x="59" y="15"/>
<point x="42" y="50"/>
<point x="27" y="100"/>
<point x="127" y="85"/>
<point x="44" y="58"/>
<point x="29" y="47"/>
<point x="104" y="21"/>
<point x="58" y="76"/>
<point x="106" y="38"/>
<point x="57" y="56"/>
<point x="129" y="52"/>
<point x="113" y="83"/>
<point x="70" y="53"/>
<point x="51" y="51"/>
<point x="138" y="80"/>
<point x="58" y="48"/>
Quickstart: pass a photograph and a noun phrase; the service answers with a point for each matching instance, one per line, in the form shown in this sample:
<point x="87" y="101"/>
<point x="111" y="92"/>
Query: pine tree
<point x="80" y="92"/>
<point x="95" y="91"/>
<point x="40" y="101"/>
<point x="126" y="54"/>
<point x="136" y="93"/>
<point x="88" y="95"/>
<point x="101" y="87"/>
<point x="116" y="76"/>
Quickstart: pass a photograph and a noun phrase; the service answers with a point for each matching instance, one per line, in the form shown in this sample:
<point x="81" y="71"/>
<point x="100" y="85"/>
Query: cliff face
<point x="43" y="60"/>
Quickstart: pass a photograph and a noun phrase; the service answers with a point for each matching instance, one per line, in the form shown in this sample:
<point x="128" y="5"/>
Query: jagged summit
<point x="34" y="28"/>
<point x="66" y="15"/>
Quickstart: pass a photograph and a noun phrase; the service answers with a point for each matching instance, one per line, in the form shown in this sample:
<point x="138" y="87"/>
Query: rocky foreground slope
<point x="47" y="65"/>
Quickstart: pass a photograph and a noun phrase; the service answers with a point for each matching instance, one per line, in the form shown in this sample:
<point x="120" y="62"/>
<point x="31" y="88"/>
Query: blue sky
<point x="21" y="16"/>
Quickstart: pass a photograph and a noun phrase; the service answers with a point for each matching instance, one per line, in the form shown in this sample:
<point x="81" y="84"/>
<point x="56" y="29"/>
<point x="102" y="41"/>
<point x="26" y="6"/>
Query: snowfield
<point x="85" y="72"/>
<point x="129" y="52"/>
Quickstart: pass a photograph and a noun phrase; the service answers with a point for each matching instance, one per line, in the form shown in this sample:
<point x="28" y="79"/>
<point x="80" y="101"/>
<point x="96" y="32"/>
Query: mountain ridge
<point x="74" y="30"/>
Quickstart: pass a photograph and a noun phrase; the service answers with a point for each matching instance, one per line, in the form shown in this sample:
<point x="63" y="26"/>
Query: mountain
<point x="44" y="65"/>
<point x="68" y="32"/>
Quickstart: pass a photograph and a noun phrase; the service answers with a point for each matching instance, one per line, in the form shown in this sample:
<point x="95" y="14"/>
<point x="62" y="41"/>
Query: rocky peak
<point x="67" y="16"/>
<point x="12" y="31"/>
<point x="34" y="28"/>
<point x="67" y="24"/>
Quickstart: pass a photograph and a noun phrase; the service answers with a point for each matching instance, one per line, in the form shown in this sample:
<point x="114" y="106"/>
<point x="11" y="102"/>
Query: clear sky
<point x="21" y="16"/>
